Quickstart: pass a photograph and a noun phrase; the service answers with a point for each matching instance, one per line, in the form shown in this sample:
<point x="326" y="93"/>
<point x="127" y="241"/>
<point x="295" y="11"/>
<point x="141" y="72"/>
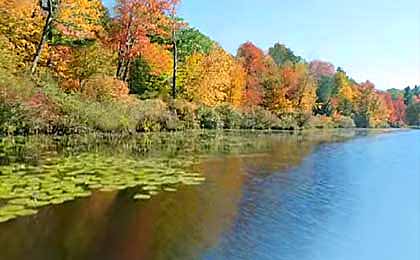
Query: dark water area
<point x="322" y="195"/>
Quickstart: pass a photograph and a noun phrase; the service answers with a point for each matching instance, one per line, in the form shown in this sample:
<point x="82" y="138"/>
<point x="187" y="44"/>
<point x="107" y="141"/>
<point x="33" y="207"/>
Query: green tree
<point x="416" y="91"/>
<point x="413" y="114"/>
<point x="281" y="54"/>
<point x="190" y="41"/>
<point x="408" y="96"/>
<point x="395" y="93"/>
<point x="326" y="85"/>
<point x="324" y="91"/>
<point x="145" y="83"/>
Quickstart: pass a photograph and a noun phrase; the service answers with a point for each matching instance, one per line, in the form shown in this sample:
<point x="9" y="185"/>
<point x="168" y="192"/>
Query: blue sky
<point x="377" y="40"/>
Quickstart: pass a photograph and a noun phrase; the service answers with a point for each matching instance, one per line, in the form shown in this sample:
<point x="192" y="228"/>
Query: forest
<point x="72" y="66"/>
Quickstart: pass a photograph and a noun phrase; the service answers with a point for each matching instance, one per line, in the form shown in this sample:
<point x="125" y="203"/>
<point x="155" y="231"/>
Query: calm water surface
<point x="287" y="197"/>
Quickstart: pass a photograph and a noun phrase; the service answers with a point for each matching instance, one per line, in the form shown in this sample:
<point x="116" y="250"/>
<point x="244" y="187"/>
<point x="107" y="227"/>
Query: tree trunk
<point x="43" y="39"/>
<point x="121" y="62"/>
<point x="127" y="71"/>
<point x="120" y="67"/>
<point x="175" y="65"/>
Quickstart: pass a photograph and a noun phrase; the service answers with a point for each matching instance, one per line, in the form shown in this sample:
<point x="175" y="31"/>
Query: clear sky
<point x="377" y="40"/>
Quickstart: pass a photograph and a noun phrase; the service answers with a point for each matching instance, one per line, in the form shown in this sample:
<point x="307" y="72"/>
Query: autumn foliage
<point x="254" y="62"/>
<point x="92" y="60"/>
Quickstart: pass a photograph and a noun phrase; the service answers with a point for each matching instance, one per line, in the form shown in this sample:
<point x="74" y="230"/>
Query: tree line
<point x="145" y="51"/>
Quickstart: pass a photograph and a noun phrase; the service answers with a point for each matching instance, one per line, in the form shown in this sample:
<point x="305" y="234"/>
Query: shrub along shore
<point x="30" y="109"/>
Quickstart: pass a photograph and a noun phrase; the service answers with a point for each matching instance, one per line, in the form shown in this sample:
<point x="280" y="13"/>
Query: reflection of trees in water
<point x="110" y="226"/>
<point x="181" y="225"/>
<point x="67" y="231"/>
<point x="35" y="149"/>
<point x="178" y="225"/>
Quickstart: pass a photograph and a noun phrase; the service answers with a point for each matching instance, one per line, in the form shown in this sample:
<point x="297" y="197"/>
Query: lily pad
<point x="142" y="197"/>
<point x="6" y="218"/>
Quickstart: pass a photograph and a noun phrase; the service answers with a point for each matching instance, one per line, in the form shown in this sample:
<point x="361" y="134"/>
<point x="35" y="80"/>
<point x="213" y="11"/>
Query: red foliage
<point x="396" y="108"/>
<point x="398" y="112"/>
<point x="45" y="108"/>
<point x="320" y="68"/>
<point x="136" y="20"/>
<point x="290" y="81"/>
<point x="253" y="61"/>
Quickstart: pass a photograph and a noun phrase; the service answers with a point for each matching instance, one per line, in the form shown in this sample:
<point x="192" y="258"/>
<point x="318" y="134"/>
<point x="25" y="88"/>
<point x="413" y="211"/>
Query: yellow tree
<point x="237" y="84"/>
<point x="306" y="94"/>
<point x="80" y="18"/>
<point x="370" y="109"/>
<point x="189" y="76"/>
<point x="300" y="88"/>
<point x="73" y="19"/>
<point x="343" y="94"/>
<point x="21" y="23"/>
<point x="274" y="91"/>
<point x="214" y="78"/>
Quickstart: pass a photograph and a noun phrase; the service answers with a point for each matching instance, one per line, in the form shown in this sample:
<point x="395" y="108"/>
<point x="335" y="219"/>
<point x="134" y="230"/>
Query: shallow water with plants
<point x="332" y="194"/>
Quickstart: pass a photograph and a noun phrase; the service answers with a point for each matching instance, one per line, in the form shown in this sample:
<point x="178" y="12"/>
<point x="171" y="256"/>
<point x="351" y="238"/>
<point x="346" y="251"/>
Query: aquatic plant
<point x="25" y="188"/>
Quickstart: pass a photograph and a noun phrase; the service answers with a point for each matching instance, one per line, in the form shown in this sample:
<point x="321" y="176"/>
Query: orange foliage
<point x="70" y="85"/>
<point x="396" y="108"/>
<point x="237" y="84"/>
<point x="59" y="60"/>
<point x="254" y="62"/>
<point x="104" y="87"/>
<point x="299" y="87"/>
<point x="136" y="20"/>
<point x="209" y="79"/>
<point x="213" y="79"/>
<point x="158" y="58"/>
<point x="370" y="106"/>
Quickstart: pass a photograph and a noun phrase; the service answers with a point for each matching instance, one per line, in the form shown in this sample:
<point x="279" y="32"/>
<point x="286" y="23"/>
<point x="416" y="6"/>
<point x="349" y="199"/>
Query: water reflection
<point x="275" y="197"/>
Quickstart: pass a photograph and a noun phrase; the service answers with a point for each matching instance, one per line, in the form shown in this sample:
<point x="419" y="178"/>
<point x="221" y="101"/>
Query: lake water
<point x="316" y="196"/>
